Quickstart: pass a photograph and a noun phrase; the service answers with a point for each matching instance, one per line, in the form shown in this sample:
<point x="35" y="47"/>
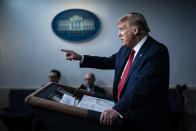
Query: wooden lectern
<point x="58" y="117"/>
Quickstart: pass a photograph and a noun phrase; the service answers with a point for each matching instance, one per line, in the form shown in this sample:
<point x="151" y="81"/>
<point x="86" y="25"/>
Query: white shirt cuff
<point x="82" y="59"/>
<point x="118" y="114"/>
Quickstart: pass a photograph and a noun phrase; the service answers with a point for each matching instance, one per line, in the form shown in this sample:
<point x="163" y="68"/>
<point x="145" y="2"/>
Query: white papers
<point x="69" y="100"/>
<point x="94" y="103"/>
<point x="88" y="102"/>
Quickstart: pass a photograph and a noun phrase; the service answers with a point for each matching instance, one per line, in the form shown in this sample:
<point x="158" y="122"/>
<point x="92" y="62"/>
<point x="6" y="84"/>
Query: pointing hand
<point x="71" y="55"/>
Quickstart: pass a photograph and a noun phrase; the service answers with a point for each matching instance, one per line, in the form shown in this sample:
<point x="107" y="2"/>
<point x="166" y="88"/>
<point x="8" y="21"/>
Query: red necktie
<point x="126" y="70"/>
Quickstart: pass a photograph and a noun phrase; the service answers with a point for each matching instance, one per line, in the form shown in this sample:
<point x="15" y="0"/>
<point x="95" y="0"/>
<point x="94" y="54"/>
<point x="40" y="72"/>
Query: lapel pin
<point x="140" y="55"/>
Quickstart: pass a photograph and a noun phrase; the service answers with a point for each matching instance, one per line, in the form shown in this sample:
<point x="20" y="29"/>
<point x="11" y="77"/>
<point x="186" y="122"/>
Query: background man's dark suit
<point x="95" y="87"/>
<point x="144" y="98"/>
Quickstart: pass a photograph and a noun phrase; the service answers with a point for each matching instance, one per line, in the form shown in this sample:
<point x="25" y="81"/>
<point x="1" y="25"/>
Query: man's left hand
<point x="108" y="116"/>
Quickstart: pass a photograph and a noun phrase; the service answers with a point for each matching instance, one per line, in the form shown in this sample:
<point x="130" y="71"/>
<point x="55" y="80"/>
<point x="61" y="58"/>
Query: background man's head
<point x="132" y="27"/>
<point x="89" y="79"/>
<point x="54" y="76"/>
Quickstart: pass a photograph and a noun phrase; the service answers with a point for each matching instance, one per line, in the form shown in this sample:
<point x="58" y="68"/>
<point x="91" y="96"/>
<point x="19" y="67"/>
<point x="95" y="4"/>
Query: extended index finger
<point x="64" y="50"/>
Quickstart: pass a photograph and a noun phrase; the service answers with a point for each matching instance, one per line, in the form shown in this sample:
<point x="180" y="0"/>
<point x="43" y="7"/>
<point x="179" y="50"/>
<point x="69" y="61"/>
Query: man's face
<point x="126" y="34"/>
<point x="89" y="80"/>
<point x="53" y="77"/>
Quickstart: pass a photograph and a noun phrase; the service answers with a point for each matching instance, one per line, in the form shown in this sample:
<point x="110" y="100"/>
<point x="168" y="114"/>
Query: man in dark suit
<point x="141" y="81"/>
<point x="89" y="84"/>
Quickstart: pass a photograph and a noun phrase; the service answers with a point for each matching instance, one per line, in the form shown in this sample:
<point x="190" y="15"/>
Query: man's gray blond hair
<point x="136" y="19"/>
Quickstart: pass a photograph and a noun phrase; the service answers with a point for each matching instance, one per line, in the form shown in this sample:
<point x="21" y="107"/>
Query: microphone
<point x="77" y="90"/>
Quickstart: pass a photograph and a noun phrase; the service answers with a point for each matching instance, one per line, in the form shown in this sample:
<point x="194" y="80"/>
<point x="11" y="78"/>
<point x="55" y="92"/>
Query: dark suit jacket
<point x="144" y="98"/>
<point x="97" y="89"/>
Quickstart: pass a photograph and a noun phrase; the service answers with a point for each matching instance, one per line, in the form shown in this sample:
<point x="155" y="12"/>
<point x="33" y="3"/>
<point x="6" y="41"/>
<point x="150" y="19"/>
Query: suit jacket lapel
<point x="123" y="62"/>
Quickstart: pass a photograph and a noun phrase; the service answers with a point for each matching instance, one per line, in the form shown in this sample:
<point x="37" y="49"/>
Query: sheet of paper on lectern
<point x="69" y="100"/>
<point x="94" y="103"/>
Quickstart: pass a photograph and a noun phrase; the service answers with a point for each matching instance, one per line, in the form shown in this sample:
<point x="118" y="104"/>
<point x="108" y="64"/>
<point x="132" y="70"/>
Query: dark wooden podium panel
<point x="55" y="121"/>
<point x="57" y="117"/>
